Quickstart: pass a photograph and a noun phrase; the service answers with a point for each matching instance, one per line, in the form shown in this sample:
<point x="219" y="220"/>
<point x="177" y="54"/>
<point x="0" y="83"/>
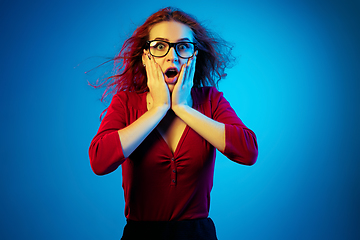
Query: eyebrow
<point x="167" y="40"/>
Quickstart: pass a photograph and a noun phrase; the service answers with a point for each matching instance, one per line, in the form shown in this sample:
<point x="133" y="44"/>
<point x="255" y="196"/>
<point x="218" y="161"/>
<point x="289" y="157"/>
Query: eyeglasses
<point x="159" y="48"/>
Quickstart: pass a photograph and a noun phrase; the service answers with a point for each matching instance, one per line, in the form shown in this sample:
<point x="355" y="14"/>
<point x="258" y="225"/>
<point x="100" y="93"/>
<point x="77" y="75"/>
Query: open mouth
<point x="171" y="72"/>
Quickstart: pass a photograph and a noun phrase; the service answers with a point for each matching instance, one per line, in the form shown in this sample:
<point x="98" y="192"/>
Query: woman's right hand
<point x="158" y="88"/>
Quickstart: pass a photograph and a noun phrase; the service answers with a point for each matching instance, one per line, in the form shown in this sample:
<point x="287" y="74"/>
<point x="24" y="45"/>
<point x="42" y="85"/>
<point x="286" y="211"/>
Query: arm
<point x="222" y="128"/>
<point x="132" y="135"/>
<point x="116" y="140"/>
<point x="209" y="129"/>
<point x="105" y="150"/>
<point x="240" y="142"/>
<point x="110" y="147"/>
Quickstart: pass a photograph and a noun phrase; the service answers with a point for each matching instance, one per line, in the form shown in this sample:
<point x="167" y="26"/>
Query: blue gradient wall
<point x="296" y="84"/>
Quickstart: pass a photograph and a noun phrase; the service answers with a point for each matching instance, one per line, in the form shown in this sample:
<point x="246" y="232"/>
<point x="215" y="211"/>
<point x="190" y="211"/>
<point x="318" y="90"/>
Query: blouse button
<point x="173" y="180"/>
<point x="174" y="170"/>
<point x="172" y="159"/>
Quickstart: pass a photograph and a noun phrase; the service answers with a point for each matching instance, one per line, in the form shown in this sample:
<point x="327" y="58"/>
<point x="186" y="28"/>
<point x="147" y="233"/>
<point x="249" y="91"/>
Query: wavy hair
<point x="214" y="56"/>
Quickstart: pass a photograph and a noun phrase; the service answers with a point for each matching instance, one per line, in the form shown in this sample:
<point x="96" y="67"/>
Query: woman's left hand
<point x="181" y="94"/>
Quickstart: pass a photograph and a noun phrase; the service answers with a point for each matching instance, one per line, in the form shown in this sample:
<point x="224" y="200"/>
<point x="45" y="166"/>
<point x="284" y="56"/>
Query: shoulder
<point x="129" y="99"/>
<point x="205" y="95"/>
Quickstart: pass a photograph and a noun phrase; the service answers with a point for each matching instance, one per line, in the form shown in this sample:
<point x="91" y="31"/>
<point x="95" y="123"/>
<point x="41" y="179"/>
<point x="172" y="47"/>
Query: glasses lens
<point x="161" y="48"/>
<point x="158" y="48"/>
<point x="185" y="49"/>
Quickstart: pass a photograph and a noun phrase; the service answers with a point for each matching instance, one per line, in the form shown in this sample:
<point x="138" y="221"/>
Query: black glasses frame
<point x="170" y="46"/>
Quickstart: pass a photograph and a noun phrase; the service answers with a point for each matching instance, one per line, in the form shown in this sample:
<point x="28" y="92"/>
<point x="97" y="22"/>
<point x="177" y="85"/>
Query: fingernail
<point x="149" y="56"/>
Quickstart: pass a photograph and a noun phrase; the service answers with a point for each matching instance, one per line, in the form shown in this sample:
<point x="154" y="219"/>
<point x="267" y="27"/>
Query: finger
<point x="152" y="65"/>
<point x="160" y="73"/>
<point x="193" y="65"/>
<point x="146" y="55"/>
<point x="145" y="62"/>
<point x="188" y="65"/>
<point x="192" y="69"/>
<point x="182" y="75"/>
<point x="188" y="76"/>
<point x="156" y="72"/>
<point x="150" y="68"/>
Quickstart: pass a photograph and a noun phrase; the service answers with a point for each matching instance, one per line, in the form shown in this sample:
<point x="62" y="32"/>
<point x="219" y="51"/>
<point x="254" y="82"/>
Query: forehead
<point x="171" y="30"/>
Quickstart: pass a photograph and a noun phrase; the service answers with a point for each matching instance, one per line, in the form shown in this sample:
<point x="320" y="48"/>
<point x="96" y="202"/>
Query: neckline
<point x="184" y="132"/>
<point x="181" y="140"/>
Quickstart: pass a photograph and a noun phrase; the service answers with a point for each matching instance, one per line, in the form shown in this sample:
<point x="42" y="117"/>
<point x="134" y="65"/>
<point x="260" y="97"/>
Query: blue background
<point x="296" y="84"/>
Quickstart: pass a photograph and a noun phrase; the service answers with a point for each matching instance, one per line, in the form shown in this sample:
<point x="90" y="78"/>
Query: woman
<point x="164" y="124"/>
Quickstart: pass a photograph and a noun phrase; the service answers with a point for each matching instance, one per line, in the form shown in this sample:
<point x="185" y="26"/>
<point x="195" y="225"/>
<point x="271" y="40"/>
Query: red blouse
<point x="160" y="185"/>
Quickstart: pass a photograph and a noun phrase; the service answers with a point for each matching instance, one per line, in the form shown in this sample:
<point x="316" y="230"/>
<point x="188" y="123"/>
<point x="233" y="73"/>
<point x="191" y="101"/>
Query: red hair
<point x="130" y="75"/>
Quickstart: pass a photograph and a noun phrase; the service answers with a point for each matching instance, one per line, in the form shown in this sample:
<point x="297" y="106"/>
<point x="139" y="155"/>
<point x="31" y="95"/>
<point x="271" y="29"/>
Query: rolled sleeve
<point x="105" y="150"/>
<point x="240" y="142"/>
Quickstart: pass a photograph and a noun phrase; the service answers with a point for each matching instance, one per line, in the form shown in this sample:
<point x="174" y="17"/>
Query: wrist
<point x="159" y="105"/>
<point x="179" y="108"/>
<point x="185" y="103"/>
<point x="163" y="108"/>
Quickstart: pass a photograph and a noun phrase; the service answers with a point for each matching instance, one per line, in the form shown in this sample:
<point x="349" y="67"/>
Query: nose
<point x="172" y="55"/>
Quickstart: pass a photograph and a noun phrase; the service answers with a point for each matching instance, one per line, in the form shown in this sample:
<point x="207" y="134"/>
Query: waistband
<point x="199" y="229"/>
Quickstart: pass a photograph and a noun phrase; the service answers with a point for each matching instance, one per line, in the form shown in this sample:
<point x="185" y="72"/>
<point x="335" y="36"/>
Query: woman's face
<point x="172" y="32"/>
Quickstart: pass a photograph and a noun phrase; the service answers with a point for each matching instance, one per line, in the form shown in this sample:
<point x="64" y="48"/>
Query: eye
<point x="159" y="46"/>
<point x="184" y="46"/>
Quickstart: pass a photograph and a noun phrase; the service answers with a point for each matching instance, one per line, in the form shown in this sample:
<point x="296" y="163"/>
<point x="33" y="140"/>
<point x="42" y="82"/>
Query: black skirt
<point x="198" y="229"/>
